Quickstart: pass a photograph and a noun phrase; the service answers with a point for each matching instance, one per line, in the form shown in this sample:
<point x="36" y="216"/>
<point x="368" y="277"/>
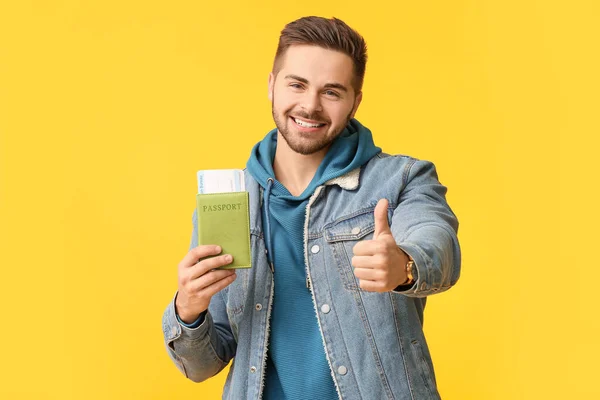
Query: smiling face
<point x="312" y="97"/>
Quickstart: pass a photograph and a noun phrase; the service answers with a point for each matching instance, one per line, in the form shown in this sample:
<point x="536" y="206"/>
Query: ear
<point x="271" y="85"/>
<point x="356" y="104"/>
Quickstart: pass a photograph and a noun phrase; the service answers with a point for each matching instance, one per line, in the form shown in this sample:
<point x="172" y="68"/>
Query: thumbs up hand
<point x="379" y="264"/>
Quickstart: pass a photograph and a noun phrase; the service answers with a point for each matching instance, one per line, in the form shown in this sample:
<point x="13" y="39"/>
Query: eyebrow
<point x="327" y="85"/>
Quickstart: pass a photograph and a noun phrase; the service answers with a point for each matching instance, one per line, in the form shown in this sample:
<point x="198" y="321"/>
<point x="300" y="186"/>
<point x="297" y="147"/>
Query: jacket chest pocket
<point x="342" y="235"/>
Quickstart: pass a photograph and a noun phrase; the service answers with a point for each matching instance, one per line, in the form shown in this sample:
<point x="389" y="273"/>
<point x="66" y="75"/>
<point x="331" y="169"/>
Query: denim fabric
<point x="374" y="342"/>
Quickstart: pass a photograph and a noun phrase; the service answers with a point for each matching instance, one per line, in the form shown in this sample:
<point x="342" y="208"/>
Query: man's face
<point x="312" y="97"/>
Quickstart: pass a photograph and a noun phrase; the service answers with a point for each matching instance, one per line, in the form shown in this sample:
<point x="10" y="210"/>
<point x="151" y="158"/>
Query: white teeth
<point x="306" y="124"/>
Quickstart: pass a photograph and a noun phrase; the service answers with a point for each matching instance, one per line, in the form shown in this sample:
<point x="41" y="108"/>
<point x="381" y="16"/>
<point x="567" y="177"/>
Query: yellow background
<point x="108" y="108"/>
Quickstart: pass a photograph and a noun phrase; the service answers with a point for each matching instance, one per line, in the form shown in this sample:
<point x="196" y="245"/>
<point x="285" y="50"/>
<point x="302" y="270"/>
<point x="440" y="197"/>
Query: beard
<point x="302" y="142"/>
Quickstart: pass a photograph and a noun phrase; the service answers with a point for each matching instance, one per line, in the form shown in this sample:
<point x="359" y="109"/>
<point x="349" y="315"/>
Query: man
<point x="346" y="241"/>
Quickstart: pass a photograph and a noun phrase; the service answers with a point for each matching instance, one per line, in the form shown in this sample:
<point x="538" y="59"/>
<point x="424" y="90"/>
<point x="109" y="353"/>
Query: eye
<point x="296" y="85"/>
<point x="331" y="93"/>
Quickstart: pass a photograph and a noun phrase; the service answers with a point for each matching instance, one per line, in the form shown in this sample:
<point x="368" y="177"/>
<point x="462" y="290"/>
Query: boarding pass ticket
<point x="220" y="181"/>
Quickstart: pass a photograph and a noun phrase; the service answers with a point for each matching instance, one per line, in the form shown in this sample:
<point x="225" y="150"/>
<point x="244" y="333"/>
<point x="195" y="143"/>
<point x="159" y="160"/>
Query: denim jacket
<point x="373" y="342"/>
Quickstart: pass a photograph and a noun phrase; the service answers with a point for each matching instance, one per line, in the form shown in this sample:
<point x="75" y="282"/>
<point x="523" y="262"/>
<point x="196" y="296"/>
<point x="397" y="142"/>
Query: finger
<point x="381" y="220"/>
<point x="197" y="253"/>
<point x="372" y="286"/>
<point x="368" y="274"/>
<point x="210" y="278"/>
<point x="203" y="266"/>
<point x="219" y="285"/>
<point x="368" y="248"/>
<point x="364" y="262"/>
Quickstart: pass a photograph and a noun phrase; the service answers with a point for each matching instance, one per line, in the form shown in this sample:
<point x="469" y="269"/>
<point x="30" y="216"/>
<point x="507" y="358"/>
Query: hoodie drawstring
<point x="268" y="243"/>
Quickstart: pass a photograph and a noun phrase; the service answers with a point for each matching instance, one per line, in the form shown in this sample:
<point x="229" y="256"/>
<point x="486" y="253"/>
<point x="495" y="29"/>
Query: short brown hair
<point x="332" y="34"/>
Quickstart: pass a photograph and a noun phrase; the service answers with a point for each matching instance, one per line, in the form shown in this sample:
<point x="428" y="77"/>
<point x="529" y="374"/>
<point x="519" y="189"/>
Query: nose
<point x="311" y="102"/>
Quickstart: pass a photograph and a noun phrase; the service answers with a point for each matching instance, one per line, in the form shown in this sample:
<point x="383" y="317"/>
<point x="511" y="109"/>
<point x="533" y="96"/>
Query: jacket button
<point x="253" y="369"/>
<point x="258" y="307"/>
<point x="315" y="249"/>
<point x="325" y="308"/>
<point x="342" y="370"/>
<point x="355" y="231"/>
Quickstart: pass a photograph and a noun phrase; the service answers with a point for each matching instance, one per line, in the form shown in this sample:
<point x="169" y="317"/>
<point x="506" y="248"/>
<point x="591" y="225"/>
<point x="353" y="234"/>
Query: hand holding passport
<point x="223" y="214"/>
<point x="223" y="231"/>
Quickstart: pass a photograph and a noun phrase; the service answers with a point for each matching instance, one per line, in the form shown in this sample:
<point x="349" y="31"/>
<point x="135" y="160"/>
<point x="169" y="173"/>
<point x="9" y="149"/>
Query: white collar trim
<point x="348" y="181"/>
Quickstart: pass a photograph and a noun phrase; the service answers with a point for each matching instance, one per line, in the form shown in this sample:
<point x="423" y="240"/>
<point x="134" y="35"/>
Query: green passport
<point x="224" y="220"/>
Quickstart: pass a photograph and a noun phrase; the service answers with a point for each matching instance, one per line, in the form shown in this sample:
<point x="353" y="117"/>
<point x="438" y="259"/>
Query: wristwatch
<point x="409" y="271"/>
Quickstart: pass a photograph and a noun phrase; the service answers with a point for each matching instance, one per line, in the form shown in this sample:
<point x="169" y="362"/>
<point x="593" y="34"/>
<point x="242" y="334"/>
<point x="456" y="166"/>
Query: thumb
<point x="381" y="219"/>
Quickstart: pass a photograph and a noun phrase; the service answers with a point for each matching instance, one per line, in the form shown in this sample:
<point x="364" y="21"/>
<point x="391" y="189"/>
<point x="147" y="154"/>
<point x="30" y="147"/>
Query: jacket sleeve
<point x="200" y="352"/>
<point x="426" y="229"/>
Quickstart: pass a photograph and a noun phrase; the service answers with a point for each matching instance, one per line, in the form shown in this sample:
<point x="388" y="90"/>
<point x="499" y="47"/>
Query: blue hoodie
<point x="296" y="362"/>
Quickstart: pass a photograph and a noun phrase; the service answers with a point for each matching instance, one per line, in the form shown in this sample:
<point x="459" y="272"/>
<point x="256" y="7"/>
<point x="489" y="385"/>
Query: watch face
<point x="409" y="270"/>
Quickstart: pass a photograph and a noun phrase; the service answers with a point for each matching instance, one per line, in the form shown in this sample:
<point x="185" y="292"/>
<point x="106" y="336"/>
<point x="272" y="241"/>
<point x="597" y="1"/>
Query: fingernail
<point x="228" y="258"/>
<point x="218" y="249"/>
